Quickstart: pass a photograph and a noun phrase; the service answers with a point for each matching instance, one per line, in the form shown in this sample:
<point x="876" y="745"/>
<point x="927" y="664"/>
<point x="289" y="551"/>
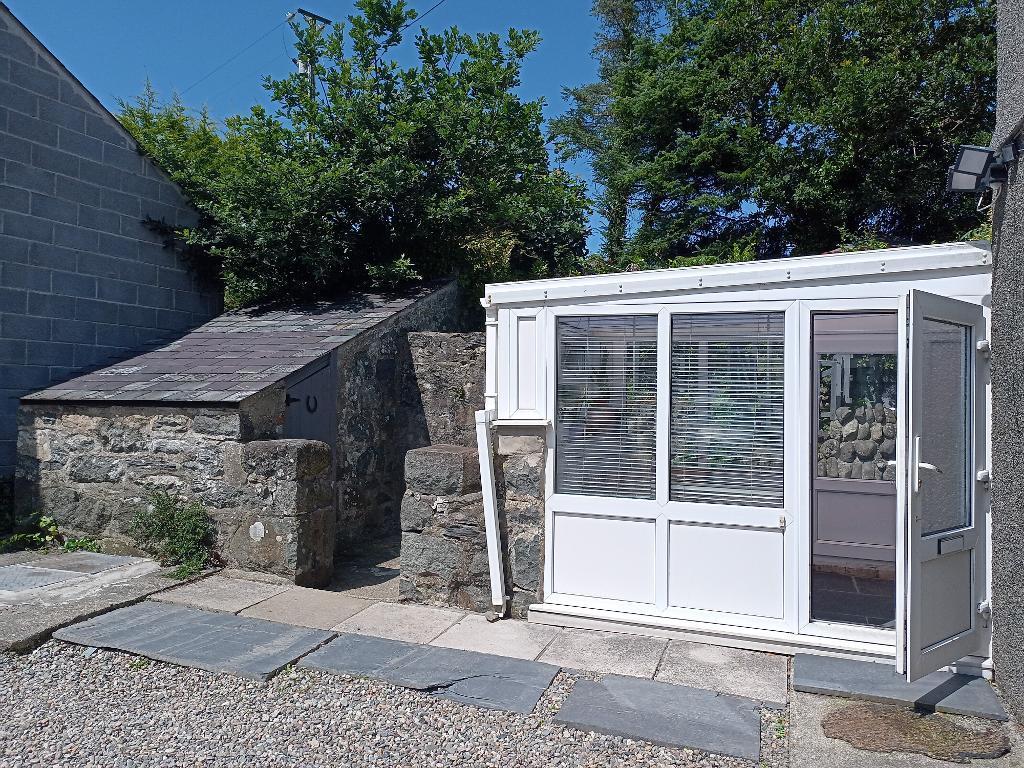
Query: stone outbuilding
<point x="290" y="425"/>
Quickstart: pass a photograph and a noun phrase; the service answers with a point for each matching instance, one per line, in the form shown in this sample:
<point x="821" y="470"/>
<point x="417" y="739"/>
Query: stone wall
<point x="858" y="443"/>
<point x="1008" y="377"/>
<point x="449" y="383"/>
<point x="91" y="468"/>
<point x="83" y="281"/>
<point x="519" y="469"/>
<point x="381" y="417"/>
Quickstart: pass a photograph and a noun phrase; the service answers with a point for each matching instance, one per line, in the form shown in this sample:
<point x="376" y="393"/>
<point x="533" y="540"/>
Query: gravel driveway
<point x="62" y="706"/>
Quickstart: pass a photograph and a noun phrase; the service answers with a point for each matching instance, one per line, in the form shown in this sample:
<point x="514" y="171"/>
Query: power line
<point x="235" y="56"/>
<point x="436" y="5"/>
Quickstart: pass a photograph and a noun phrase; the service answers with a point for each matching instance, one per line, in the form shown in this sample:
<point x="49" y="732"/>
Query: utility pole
<point x="309" y="67"/>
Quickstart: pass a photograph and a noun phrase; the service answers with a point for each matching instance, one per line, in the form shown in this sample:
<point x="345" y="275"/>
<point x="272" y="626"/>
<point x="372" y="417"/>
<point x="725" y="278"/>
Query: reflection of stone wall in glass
<point x="858" y="443"/>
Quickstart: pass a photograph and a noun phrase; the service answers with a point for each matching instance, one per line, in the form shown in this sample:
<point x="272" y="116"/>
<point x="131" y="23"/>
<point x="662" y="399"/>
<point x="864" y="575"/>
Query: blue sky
<point x="112" y="46"/>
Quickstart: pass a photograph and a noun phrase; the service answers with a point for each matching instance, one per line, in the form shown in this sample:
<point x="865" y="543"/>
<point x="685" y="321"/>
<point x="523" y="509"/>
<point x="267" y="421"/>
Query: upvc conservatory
<point x="788" y="454"/>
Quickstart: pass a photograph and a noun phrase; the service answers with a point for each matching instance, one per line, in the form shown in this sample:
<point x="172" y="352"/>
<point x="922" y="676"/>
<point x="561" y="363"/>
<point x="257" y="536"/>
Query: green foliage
<point x="786" y="124"/>
<point x="176" y="531"/>
<point x="42" y="533"/>
<point x="373" y="174"/>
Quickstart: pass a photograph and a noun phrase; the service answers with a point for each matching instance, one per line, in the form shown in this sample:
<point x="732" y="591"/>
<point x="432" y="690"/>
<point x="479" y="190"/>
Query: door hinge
<point x="985" y="610"/>
<point x="782" y="522"/>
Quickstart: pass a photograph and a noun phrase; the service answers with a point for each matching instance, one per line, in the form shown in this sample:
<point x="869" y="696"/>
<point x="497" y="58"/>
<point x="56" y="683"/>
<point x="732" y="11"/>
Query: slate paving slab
<point x="216" y="642"/>
<point x="939" y="691"/>
<point x="480" y="679"/>
<point x="756" y="675"/>
<point x="665" y="714"/>
<point x="84" y="562"/>
<point x="18" y="578"/>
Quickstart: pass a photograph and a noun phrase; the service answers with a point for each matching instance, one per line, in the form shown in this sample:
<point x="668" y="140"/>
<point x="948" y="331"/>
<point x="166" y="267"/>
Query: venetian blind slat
<point x="606" y="406"/>
<point x="727" y="409"/>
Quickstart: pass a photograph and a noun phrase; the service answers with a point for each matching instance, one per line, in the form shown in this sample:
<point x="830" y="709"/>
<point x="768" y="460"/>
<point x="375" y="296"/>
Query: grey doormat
<point x="492" y="682"/>
<point x="937" y="692"/>
<point x="216" y="642"/>
<point x="666" y="714"/>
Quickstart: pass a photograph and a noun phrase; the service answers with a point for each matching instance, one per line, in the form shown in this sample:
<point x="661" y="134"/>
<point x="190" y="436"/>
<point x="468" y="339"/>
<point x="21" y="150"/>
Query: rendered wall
<point x="1008" y="379"/>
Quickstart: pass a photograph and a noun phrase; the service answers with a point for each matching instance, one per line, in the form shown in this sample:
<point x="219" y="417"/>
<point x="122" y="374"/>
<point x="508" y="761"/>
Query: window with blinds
<point x="727" y="409"/>
<point x="606" y="406"/>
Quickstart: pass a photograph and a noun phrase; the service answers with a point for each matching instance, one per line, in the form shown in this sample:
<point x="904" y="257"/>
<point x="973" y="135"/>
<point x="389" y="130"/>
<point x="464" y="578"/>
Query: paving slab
<point x="939" y="691"/>
<point x="26" y="626"/>
<point x="396" y="621"/>
<point x="611" y="652"/>
<point x="763" y="676"/>
<point x="480" y="679"/>
<point x="218" y="593"/>
<point x="217" y="642"/>
<point x="19" y="578"/>
<point x="665" y="714"/>
<point x="809" y="747"/>
<point x="84" y="562"/>
<point x="304" y="607"/>
<point x="512" y="637"/>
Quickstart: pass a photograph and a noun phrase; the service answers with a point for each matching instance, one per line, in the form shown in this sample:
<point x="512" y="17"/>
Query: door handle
<point x="930" y="467"/>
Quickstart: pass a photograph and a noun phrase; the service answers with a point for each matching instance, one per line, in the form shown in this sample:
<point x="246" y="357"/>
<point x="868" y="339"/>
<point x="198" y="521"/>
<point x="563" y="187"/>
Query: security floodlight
<point x="968" y="173"/>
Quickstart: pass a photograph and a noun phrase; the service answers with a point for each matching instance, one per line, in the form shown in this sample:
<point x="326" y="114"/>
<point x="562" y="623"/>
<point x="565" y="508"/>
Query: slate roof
<point x="235" y="355"/>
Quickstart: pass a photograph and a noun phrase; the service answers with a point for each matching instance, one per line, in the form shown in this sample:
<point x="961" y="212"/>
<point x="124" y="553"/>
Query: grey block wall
<point x="1008" y="379"/>
<point x="83" y="282"/>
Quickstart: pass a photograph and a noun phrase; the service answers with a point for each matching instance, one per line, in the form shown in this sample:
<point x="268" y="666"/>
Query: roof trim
<point x="823" y="267"/>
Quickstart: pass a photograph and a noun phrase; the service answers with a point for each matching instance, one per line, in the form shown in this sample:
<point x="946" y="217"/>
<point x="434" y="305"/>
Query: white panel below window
<point x="733" y="570"/>
<point x="610" y="558"/>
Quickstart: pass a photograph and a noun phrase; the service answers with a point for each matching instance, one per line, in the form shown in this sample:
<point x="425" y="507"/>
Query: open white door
<point x="944" y="446"/>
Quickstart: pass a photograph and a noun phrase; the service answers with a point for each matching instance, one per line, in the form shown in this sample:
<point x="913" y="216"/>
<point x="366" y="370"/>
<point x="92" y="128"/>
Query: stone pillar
<point x="519" y="466"/>
<point x="444" y="543"/>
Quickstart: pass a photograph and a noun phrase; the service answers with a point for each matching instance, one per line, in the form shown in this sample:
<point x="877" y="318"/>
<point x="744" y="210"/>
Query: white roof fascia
<point x="825" y="267"/>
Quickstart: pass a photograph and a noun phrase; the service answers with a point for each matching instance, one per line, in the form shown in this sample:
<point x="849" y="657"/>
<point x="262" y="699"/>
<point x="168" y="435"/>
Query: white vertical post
<point x="495" y="561"/>
<point x="490" y="359"/>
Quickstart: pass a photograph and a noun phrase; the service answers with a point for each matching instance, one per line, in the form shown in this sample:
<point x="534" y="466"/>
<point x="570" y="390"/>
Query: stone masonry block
<point x="442" y="470"/>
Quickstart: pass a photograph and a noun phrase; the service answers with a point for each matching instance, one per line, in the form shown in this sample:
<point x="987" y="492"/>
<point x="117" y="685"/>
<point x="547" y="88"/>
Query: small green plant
<point x="84" y="544"/>
<point x="176" y="531"/>
<point x="38" y="534"/>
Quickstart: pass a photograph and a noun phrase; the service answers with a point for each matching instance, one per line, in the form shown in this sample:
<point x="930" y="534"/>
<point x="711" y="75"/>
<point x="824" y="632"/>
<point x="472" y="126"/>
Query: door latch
<point x="985" y="611"/>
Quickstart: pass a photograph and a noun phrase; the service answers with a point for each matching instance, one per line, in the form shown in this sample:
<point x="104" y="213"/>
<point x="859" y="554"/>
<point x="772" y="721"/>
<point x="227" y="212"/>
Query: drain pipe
<point x="495" y="562"/>
<point x="499" y="600"/>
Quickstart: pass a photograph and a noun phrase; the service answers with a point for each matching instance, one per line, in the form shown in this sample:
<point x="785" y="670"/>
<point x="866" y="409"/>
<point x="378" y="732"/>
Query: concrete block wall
<point x="83" y="281"/>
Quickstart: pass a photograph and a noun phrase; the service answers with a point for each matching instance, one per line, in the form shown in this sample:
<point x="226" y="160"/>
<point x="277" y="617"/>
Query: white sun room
<point x="788" y="454"/>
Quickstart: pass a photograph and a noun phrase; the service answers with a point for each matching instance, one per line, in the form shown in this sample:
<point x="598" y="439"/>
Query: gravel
<point x="67" y="706"/>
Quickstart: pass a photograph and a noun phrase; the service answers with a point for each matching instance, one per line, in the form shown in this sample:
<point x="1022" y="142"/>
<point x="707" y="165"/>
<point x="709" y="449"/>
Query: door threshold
<point x="768" y="641"/>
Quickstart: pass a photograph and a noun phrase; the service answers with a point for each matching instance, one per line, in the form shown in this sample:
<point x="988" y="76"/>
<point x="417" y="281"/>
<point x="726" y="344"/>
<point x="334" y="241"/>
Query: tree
<point x="371" y="174"/>
<point x="591" y="127"/>
<point x="780" y="127"/>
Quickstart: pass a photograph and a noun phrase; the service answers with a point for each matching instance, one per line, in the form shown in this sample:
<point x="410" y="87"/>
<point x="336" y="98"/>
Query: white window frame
<point x="661" y="510"/>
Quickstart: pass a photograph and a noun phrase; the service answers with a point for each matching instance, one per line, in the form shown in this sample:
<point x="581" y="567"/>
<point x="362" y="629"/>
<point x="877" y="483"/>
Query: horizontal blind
<point x="606" y="406"/>
<point x="727" y="409"/>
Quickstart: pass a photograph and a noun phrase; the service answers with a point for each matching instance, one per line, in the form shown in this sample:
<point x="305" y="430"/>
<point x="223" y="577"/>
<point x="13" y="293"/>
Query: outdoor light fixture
<point x="977" y="168"/>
